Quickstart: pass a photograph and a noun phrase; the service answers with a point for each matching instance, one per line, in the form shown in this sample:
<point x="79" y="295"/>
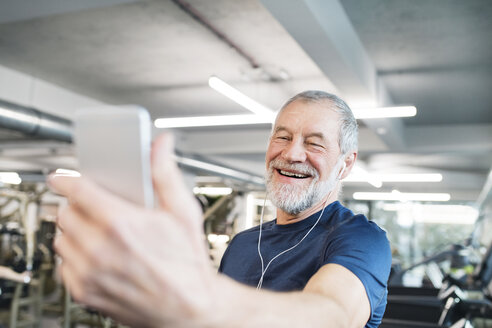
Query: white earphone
<point x="341" y="171"/>
<point x="265" y="268"/>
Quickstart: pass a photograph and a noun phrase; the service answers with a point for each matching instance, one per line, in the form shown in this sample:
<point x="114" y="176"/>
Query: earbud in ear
<point x="342" y="170"/>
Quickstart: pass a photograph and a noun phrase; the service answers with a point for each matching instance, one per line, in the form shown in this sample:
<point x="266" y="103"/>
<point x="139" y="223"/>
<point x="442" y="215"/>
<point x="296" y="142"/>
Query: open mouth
<point x="293" y="174"/>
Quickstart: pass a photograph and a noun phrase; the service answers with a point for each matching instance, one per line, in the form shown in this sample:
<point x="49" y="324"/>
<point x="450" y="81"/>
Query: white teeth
<point x="291" y="174"/>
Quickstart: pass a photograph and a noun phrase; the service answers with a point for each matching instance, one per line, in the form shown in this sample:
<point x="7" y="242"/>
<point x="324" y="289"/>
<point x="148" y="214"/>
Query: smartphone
<point x="113" y="146"/>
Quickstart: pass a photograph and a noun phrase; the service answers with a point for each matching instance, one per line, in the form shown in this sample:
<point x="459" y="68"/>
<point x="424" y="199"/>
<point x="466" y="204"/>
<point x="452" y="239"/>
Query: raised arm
<point x="334" y="297"/>
<point x="149" y="268"/>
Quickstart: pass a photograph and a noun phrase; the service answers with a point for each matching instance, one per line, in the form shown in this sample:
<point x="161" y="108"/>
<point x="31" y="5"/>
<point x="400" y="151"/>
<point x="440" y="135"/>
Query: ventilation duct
<point x="34" y="123"/>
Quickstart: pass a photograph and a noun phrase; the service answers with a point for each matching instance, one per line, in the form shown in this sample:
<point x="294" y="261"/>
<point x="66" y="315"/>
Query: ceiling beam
<point x="13" y="11"/>
<point x="324" y="31"/>
<point x="450" y="138"/>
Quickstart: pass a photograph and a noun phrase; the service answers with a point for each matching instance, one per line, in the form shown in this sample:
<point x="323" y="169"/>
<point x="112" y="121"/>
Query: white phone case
<point x="113" y="148"/>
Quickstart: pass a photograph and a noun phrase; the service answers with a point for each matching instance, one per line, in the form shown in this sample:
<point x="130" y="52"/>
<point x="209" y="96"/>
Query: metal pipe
<point x="34" y="123"/>
<point x="204" y="166"/>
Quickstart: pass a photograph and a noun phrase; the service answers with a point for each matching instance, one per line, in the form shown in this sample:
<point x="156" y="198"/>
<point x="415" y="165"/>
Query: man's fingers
<point x="169" y="184"/>
<point x="92" y="200"/>
<point x="69" y="252"/>
<point x="78" y="230"/>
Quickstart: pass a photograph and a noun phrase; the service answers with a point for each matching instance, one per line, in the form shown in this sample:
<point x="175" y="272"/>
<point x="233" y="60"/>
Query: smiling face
<point x="302" y="156"/>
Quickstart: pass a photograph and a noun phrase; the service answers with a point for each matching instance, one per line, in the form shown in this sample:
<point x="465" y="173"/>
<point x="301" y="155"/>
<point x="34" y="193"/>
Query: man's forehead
<point x="302" y="107"/>
<point x="314" y="117"/>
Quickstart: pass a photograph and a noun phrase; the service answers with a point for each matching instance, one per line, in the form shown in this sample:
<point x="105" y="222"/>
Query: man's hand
<point x="149" y="268"/>
<point x="141" y="266"/>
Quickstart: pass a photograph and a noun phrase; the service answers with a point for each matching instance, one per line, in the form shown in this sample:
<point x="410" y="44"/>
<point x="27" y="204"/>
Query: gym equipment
<point x="453" y="306"/>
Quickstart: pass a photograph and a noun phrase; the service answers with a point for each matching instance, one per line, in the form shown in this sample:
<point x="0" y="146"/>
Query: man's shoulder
<point x="366" y="226"/>
<point x="343" y="220"/>
<point x="248" y="231"/>
<point x="354" y="232"/>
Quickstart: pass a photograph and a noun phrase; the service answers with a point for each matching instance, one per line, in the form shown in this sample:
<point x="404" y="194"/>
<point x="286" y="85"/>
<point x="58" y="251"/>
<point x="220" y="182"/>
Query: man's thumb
<point x="171" y="191"/>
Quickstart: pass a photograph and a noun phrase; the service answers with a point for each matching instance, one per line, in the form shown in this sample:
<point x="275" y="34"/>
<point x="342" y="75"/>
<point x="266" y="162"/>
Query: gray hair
<point x="348" y="131"/>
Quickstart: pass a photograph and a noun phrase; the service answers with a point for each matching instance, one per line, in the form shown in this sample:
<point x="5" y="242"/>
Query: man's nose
<point x="294" y="152"/>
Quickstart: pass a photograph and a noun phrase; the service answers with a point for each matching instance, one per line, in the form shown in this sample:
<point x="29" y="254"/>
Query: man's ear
<point x="349" y="164"/>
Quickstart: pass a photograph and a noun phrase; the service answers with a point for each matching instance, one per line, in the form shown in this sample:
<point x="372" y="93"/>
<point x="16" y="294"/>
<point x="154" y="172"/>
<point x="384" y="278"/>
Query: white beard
<point x="294" y="198"/>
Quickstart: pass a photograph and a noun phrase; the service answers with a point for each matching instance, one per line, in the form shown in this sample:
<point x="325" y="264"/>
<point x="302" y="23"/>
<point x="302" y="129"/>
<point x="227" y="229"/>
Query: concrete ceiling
<point x="436" y="55"/>
<point x="421" y="48"/>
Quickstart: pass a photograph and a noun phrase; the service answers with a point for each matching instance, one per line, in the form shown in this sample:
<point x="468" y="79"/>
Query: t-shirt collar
<point x="307" y="222"/>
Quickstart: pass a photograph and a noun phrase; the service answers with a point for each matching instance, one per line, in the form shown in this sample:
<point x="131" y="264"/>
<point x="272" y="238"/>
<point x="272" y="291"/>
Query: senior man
<point x="317" y="264"/>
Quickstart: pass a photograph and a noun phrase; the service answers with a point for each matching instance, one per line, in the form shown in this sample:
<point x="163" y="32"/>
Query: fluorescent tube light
<point x="65" y="172"/>
<point x="212" y="191"/>
<point x="262" y="114"/>
<point x="10" y="178"/>
<point x="432" y="213"/>
<point x="181" y="122"/>
<point x="263" y="118"/>
<point x="237" y="96"/>
<point x="384" y="112"/>
<point x="400" y="196"/>
<point x="219" y="239"/>
<point x="360" y="174"/>
<point x="409" y="177"/>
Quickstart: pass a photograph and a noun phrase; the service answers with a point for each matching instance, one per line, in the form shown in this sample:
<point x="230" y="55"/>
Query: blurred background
<point x="220" y="69"/>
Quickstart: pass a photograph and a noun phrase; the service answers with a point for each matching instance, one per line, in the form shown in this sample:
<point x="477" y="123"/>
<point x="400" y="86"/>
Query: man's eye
<point x="315" y="145"/>
<point x="283" y="138"/>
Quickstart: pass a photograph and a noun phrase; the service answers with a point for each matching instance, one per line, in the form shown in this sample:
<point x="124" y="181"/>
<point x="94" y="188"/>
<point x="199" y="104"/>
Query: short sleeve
<point x="363" y="248"/>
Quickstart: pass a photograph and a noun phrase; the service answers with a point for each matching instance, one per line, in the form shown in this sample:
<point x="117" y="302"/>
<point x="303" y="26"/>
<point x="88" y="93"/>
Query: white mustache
<point x="302" y="168"/>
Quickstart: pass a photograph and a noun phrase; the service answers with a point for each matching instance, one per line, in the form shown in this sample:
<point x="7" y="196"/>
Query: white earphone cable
<point x="263" y="268"/>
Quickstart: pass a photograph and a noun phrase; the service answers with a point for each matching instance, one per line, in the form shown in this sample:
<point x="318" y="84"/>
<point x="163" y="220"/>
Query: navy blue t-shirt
<point x="340" y="237"/>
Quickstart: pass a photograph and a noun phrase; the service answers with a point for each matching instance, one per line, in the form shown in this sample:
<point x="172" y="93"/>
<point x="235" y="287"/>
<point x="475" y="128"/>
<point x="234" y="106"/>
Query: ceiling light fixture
<point x="384" y="112"/>
<point x="219" y="239"/>
<point x="182" y="122"/>
<point x="433" y="213"/>
<point x="66" y="172"/>
<point x="359" y="174"/>
<point x="263" y="114"/>
<point x="10" y="178"/>
<point x="265" y="118"/>
<point x="237" y="96"/>
<point x="212" y="191"/>
<point x="401" y="196"/>
<point x="409" y="177"/>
